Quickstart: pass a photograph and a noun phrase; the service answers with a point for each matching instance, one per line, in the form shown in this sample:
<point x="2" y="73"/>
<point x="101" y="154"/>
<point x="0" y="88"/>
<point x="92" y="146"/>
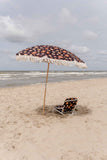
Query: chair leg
<point x="61" y="112"/>
<point x="74" y="110"/>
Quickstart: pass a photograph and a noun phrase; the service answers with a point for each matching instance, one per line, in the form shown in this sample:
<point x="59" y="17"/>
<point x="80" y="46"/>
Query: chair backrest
<point x="70" y="102"/>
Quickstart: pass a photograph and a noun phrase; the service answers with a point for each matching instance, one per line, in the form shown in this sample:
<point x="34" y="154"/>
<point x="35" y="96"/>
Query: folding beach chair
<point x="68" y="106"/>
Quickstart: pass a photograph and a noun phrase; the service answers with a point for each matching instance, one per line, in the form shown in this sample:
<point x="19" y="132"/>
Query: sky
<point x="79" y="26"/>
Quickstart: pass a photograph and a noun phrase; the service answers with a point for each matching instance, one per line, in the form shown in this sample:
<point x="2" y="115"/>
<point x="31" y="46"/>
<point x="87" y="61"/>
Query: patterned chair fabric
<point x="68" y="106"/>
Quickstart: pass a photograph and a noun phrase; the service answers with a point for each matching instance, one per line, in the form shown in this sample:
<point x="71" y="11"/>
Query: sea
<point x="20" y="78"/>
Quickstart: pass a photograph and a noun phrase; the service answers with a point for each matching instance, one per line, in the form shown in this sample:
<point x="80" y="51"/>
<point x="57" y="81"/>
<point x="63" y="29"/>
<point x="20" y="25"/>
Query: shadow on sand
<point x="50" y="111"/>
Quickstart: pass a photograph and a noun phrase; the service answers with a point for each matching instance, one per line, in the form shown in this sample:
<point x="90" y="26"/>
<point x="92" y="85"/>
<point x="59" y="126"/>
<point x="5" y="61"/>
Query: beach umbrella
<point x="50" y="54"/>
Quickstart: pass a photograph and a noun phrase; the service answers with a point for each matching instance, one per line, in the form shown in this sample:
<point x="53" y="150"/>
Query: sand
<point x="25" y="134"/>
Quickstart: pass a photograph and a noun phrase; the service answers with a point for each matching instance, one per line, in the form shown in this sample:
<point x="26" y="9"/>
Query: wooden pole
<point x="45" y="89"/>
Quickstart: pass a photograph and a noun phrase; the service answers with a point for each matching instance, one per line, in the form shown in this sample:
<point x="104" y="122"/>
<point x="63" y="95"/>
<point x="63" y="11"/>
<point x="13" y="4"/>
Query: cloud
<point x="74" y="48"/>
<point x="90" y="35"/>
<point x="12" y="57"/>
<point x="93" y="20"/>
<point x="4" y="1"/>
<point x="7" y="51"/>
<point x="9" y="54"/>
<point x="23" y="29"/>
<point x="103" y="52"/>
<point x="79" y="49"/>
<point x="11" y="30"/>
<point x="67" y="17"/>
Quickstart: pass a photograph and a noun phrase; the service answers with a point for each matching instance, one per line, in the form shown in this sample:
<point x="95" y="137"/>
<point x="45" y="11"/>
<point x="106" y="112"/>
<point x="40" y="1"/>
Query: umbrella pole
<point x="45" y="89"/>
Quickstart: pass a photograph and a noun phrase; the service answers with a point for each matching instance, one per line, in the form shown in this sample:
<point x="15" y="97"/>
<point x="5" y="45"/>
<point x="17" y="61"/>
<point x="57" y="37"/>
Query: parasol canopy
<point x="50" y="54"/>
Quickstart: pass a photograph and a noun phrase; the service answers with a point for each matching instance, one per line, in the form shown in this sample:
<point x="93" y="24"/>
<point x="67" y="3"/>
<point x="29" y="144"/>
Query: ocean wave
<point x="34" y="74"/>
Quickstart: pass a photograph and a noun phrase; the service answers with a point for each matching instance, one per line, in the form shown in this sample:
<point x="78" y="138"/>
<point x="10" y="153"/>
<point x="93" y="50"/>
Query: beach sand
<point x="25" y="134"/>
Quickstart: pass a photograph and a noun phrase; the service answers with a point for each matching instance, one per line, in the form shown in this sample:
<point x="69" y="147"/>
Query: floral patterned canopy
<point x="50" y="54"/>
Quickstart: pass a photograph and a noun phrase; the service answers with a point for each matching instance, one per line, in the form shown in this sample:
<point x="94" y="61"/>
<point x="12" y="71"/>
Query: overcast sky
<point x="79" y="26"/>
